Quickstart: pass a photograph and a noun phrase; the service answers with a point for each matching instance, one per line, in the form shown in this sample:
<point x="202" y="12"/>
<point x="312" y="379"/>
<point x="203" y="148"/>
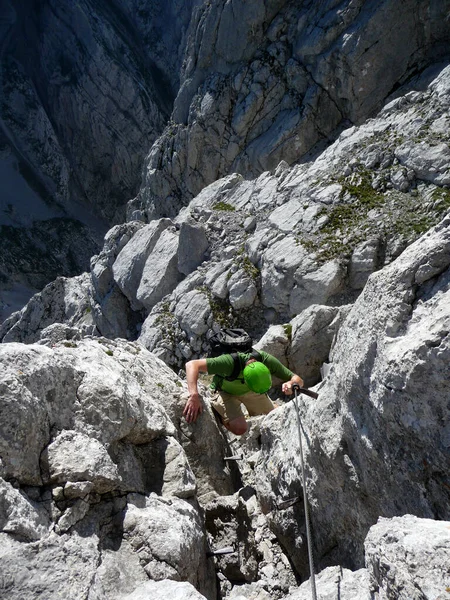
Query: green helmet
<point x="257" y="377"/>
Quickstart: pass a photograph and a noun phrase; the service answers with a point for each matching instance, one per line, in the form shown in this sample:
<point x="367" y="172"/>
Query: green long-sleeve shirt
<point x="222" y="366"/>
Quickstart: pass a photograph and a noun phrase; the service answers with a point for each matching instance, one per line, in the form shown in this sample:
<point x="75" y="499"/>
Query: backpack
<point x="232" y="341"/>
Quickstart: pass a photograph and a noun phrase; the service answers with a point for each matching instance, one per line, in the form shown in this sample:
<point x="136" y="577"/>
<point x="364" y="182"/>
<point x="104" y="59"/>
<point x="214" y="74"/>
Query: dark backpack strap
<point x="256" y="355"/>
<point x="238" y="365"/>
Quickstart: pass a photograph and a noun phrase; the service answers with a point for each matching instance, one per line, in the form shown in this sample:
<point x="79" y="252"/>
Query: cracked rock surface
<point x="267" y="82"/>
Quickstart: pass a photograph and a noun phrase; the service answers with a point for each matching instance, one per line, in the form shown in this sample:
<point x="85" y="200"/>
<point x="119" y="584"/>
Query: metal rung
<point x="226" y="550"/>
<point x="235" y="457"/>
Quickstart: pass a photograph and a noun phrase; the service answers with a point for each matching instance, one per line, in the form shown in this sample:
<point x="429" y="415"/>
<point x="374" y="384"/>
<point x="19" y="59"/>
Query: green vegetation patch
<point x="346" y="224"/>
<point x="394" y="214"/>
<point x="221" y="309"/>
<point x="70" y="345"/>
<point x="287" y="327"/>
<point x="243" y="262"/>
<point x="223" y="206"/>
<point x="167" y="322"/>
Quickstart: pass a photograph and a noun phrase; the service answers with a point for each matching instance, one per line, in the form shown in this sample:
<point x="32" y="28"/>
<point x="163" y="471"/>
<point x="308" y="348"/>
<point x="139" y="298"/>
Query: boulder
<point x="192" y="247"/>
<point x="76" y="457"/>
<point x="92" y="469"/>
<point x="163" y="589"/>
<point x="168" y="535"/>
<point x="128" y="267"/>
<point x="160" y="273"/>
<point x="376" y="440"/>
<point x="312" y="335"/>
<point x="408" y="557"/>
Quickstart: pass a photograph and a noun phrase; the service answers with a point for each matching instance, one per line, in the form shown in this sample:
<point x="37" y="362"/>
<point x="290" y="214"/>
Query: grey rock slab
<point x="20" y="516"/>
<point x="101" y="265"/>
<point x="249" y="591"/>
<point x="335" y="582"/>
<point x="179" y="480"/>
<point x="128" y="267"/>
<point x="203" y="444"/>
<point x="119" y="572"/>
<point x="72" y="515"/>
<point x="76" y="457"/>
<point x="169" y="536"/>
<point x="25" y="427"/>
<point x="242" y="290"/>
<point x="192" y="246"/>
<point x="408" y="557"/>
<point x="276" y="342"/>
<point x="428" y="162"/>
<point x="161" y="467"/>
<point x="219" y="286"/>
<point x="376" y="440"/>
<point x="164" y="589"/>
<point x="53" y="567"/>
<point x="365" y="260"/>
<point x="193" y="311"/>
<point x="279" y="264"/>
<point x="312" y="336"/>
<point x="317" y="286"/>
<point x="113" y="315"/>
<point x="160" y="274"/>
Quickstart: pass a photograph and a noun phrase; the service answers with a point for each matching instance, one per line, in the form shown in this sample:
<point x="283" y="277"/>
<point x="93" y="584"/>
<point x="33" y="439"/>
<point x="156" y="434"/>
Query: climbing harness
<point x="297" y="389"/>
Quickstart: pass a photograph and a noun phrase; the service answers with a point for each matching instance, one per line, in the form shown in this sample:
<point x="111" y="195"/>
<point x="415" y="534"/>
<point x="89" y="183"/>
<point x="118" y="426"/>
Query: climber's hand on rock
<point x="193" y="408"/>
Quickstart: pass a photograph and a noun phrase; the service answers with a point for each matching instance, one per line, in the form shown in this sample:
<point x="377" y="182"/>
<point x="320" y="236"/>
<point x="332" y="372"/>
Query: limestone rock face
<point x="90" y="456"/>
<point x="325" y="233"/>
<point x="349" y="585"/>
<point x="97" y="463"/>
<point x="406" y="557"/>
<point x="86" y="88"/>
<point x="265" y="250"/>
<point x="315" y="237"/>
<point x="266" y="82"/>
<point x="376" y="441"/>
<point x="65" y="300"/>
<point x="160" y="590"/>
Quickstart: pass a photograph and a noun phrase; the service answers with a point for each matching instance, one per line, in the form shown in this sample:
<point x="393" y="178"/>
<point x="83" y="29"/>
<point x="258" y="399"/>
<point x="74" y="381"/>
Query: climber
<point x="249" y="387"/>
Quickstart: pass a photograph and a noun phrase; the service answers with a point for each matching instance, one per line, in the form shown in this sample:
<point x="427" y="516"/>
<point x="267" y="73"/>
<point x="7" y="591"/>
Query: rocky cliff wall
<point x="85" y="89"/>
<point x="269" y="81"/>
<point x="263" y="252"/>
<point x="100" y="473"/>
<point x="339" y="265"/>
